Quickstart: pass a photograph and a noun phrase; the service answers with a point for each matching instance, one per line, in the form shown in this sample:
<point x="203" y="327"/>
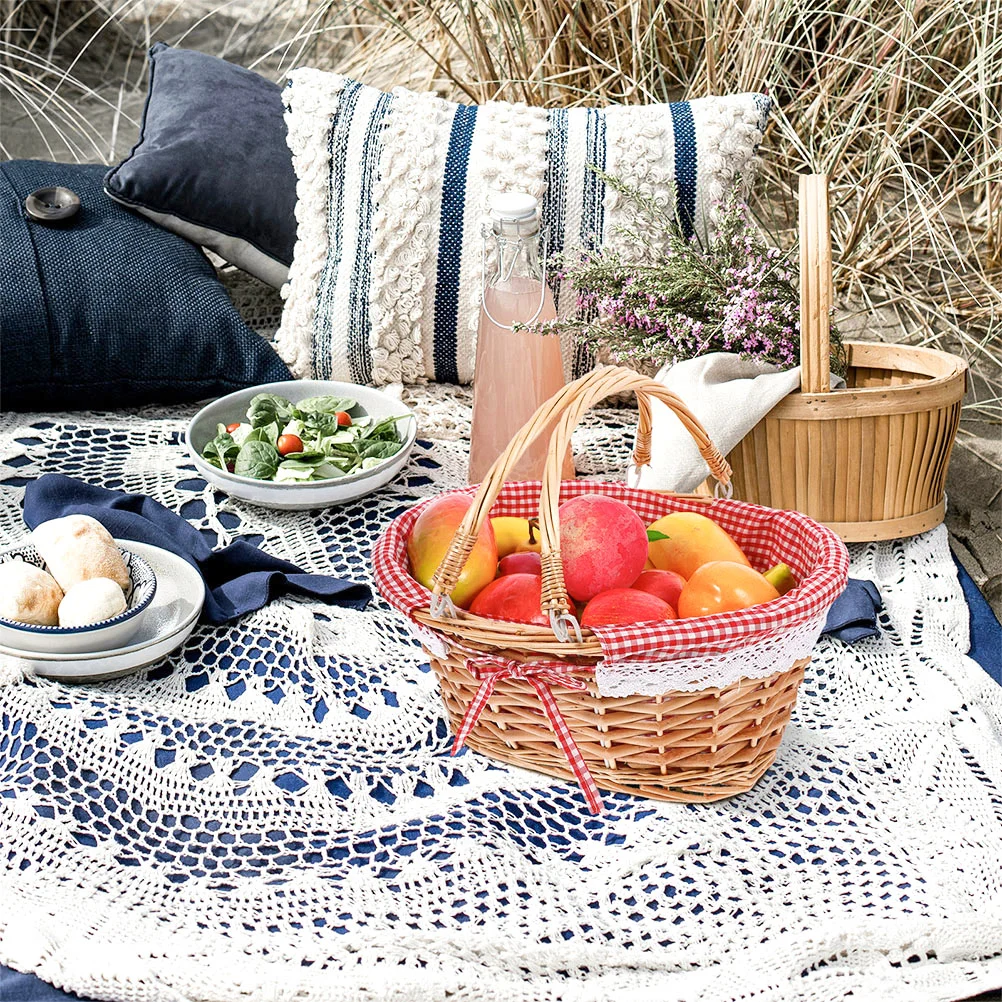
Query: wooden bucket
<point x="869" y="461"/>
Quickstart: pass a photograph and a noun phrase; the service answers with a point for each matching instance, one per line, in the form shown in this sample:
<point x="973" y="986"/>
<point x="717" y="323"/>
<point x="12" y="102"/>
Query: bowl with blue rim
<point x="104" y="635"/>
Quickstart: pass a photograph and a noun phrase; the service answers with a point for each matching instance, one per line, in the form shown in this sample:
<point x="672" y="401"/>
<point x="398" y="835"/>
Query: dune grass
<point x="899" y="101"/>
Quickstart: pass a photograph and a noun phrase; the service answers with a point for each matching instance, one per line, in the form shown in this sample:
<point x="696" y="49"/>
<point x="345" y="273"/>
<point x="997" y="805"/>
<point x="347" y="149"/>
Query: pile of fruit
<point x="617" y="570"/>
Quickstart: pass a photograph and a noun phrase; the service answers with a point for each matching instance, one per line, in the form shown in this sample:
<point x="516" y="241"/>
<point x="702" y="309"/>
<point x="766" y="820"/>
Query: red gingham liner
<point x="816" y="555"/>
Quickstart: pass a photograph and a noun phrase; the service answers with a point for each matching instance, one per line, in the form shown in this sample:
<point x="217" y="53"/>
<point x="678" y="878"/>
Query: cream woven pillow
<point x="393" y="189"/>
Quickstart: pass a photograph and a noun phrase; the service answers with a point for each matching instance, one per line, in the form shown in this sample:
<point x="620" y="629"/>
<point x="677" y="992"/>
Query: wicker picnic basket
<point x="869" y="461"/>
<point x="510" y="688"/>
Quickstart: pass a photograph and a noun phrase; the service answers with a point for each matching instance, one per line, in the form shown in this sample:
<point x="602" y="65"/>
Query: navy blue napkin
<point x="853" y="616"/>
<point x="238" y="578"/>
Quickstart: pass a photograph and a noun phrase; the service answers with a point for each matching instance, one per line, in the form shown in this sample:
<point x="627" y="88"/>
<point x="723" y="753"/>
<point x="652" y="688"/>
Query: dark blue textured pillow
<point x="107" y="309"/>
<point x="212" y="162"/>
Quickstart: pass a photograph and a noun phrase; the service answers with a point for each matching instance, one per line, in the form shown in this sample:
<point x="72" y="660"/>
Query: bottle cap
<point x="515" y="212"/>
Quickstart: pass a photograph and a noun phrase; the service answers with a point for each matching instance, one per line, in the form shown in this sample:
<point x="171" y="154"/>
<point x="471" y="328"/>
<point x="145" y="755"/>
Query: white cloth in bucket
<point x="729" y="395"/>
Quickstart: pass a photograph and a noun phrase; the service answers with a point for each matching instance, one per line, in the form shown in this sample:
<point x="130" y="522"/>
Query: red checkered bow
<point x="541" y="675"/>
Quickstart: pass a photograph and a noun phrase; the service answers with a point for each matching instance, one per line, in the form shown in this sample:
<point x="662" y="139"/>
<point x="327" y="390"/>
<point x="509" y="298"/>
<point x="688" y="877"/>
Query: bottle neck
<point x="517" y="257"/>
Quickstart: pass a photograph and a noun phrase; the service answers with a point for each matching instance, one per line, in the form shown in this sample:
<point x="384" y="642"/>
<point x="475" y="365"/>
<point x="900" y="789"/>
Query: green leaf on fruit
<point x="653" y="536"/>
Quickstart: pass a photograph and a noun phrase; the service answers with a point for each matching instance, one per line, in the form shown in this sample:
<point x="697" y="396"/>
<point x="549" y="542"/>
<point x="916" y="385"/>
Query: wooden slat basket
<point x="870" y="460"/>
<point x="692" y="745"/>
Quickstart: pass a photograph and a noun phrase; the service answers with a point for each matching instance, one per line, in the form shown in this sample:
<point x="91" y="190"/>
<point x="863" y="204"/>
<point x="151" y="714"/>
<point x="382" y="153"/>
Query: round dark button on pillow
<point x="50" y="205"/>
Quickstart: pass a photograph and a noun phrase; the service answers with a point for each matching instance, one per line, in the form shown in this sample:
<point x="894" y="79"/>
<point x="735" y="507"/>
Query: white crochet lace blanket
<point x="272" y="813"/>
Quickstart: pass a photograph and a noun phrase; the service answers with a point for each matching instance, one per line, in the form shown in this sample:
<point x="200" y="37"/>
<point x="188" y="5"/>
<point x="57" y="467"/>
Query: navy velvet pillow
<point x="212" y="162"/>
<point x="106" y="309"/>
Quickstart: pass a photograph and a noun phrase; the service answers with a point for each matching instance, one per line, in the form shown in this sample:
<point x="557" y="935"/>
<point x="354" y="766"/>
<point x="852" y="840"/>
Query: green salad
<point x="318" y="438"/>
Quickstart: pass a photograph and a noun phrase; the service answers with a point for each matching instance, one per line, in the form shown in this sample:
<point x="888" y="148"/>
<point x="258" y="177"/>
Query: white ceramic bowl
<point x="314" y="493"/>
<point x="102" y="636"/>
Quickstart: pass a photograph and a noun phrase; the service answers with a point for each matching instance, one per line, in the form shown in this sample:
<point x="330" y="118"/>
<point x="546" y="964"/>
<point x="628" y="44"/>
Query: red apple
<point x="521" y="563"/>
<point x="667" y="585"/>
<point x="603" y="543"/>
<point x="625" y="607"/>
<point x="513" y="597"/>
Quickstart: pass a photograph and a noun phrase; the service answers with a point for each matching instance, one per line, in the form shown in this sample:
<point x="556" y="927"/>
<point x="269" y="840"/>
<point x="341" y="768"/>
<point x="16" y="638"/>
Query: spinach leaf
<point x="266" y="433"/>
<point x="317" y="425"/>
<point x="268" y="408"/>
<point x="378" y="450"/>
<point x="222" y="449"/>
<point x="385" y="430"/>
<point x="325" y="404"/>
<point x="258" y="460"/>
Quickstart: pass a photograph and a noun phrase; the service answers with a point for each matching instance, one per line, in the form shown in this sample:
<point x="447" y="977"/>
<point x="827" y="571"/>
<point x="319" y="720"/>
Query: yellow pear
<point x="781" y="577"/>
<point x="515" y="535"/>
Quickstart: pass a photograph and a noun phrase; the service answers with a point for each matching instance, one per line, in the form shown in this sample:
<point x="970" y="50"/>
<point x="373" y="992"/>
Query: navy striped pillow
<point x="393" y="190"/>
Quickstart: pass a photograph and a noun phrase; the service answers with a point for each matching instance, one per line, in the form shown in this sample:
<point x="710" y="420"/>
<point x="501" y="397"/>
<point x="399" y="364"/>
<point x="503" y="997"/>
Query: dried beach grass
<point x="54" y="56"/>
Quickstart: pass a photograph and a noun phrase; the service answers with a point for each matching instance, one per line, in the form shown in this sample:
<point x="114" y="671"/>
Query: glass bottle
<point x="515" y="371"/>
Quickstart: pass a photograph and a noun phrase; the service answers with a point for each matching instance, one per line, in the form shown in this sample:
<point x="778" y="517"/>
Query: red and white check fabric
<point x="815" y="554"/>
<point x="489" y="670"/>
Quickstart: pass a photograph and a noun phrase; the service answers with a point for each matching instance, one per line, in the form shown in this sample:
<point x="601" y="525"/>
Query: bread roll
<point x="76" y="548"/>
<point x="91" y="601"/>
<point x="28" y="594"/>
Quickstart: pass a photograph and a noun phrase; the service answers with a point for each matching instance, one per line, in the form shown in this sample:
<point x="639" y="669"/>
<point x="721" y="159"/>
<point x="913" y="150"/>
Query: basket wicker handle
<point x="568" y="407"/>
<point x="815" y="284"/>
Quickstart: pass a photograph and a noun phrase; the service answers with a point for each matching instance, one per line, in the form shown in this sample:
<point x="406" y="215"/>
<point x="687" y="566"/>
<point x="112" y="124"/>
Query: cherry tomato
<point x="231" y="428"/>
<point x="343" y="419"/>
<point x="289" y="443"/>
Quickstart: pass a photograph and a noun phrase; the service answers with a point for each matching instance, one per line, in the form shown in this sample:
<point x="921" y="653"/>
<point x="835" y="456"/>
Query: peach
<point x="429" y="541"/>
<point x="513" y="597"/>
<point x="667" y="585"/>
<point x="521" y="563"/>
<point x="691" y="540"/>
<point x="624" y="607"/>
<point x="603" y="545"/>
<point x="723" y="586"/>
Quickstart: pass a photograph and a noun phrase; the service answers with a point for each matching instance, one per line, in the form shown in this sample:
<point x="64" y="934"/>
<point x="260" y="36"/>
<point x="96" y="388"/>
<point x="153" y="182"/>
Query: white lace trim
<point x="640" y="678"/>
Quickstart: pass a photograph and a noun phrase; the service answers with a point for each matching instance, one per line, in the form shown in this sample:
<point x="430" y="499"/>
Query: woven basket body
<point x="696" y="742"/>
<point x="679" y="746"/>
<point x="869" y="461"/>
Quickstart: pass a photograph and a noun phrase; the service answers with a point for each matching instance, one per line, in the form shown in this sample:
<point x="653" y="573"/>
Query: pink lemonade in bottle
<point x="516" y="370"/>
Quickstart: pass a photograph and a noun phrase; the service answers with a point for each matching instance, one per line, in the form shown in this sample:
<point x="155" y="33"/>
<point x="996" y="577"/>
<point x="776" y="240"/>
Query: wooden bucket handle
<point x="815" y="284"/>
<point x="568" y="407"/>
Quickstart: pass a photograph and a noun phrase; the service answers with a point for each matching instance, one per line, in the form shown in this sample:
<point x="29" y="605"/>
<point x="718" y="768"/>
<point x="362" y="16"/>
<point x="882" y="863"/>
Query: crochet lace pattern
<point x="272" y="812"/>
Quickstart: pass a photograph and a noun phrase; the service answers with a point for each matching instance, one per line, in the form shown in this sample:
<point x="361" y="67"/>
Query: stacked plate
<point x="167" y="623"/>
